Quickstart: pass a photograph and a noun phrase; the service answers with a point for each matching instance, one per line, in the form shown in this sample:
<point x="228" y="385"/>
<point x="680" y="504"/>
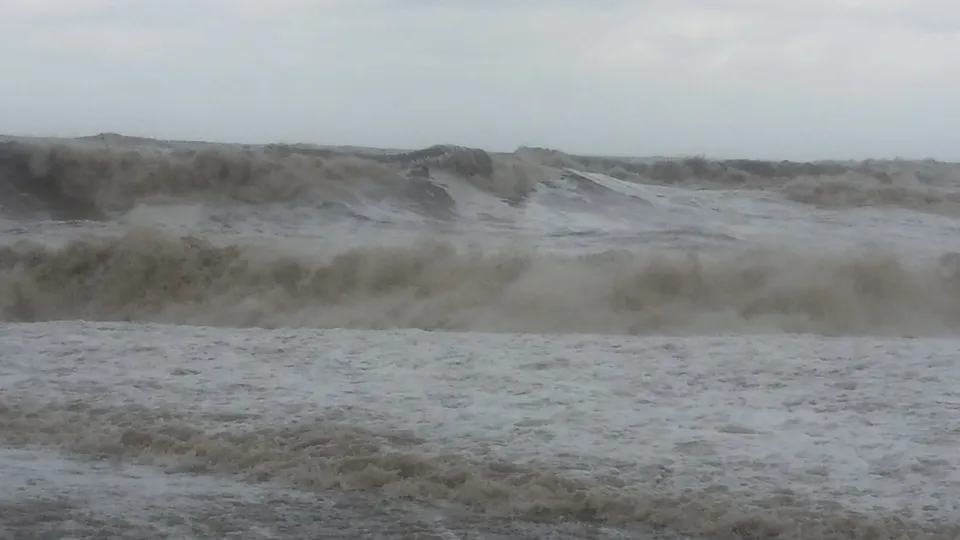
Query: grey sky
<point x="748" y="78"/>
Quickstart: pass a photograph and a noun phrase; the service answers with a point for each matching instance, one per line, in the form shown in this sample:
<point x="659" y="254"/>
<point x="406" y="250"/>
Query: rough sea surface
<point x="289" y="341"/>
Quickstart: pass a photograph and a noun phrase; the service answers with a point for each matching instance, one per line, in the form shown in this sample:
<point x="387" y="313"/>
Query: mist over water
<point x="246" y="250"/>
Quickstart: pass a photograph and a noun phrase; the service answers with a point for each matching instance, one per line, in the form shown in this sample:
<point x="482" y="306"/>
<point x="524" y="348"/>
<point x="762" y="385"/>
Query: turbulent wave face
<point x="152" y="277"/>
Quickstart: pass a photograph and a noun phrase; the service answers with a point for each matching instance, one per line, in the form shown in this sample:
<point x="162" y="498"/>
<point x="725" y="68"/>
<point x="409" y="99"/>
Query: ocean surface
<point x="284" y="341"/>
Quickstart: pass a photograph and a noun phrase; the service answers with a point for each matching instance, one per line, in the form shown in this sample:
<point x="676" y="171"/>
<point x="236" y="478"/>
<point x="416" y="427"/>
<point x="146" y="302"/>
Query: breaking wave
<point x="150" y="277"/>
<point x="94" y="178"/>
<point x="845" y="193"/>
<point x="74" y="181"/>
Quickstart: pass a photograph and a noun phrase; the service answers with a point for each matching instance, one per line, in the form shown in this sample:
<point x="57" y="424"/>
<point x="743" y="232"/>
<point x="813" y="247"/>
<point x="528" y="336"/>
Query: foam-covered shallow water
<point x="48" y="495"/>
<point x="789" y="437"/>
<point x="451" y="343"/>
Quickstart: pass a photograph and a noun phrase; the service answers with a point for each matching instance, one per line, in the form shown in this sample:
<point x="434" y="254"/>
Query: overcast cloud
<point x="747" y="78"/>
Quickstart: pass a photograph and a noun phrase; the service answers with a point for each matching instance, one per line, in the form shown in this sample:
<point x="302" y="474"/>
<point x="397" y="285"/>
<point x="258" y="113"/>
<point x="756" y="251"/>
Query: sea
<point x="291" y="341"/>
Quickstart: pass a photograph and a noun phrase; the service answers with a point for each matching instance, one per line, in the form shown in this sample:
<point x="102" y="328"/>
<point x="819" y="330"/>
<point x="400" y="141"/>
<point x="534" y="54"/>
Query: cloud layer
<point x="753" y="78"/>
